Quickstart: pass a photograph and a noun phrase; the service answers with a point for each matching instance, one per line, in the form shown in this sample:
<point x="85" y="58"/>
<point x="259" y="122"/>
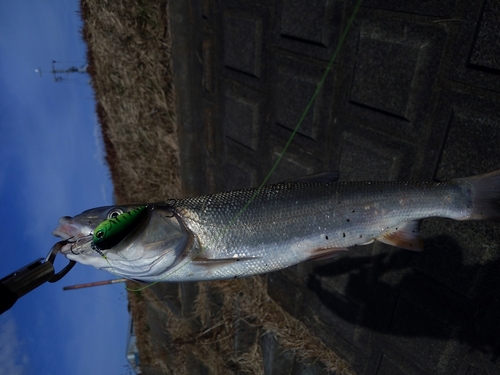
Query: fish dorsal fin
<point x="322" y="177"/>
<point x="405" y="236"/>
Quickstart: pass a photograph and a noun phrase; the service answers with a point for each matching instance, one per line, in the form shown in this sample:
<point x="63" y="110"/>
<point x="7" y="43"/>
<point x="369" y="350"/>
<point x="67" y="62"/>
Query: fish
<point x="253" y="231"/>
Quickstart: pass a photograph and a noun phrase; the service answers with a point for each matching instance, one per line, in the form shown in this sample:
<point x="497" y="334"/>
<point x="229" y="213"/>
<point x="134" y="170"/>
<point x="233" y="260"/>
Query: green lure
<point x="113" y="230"/>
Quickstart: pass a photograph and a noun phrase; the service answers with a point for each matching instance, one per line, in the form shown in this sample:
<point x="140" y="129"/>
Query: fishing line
<point x="304" y="114"/>
<point x="289" y="141"/>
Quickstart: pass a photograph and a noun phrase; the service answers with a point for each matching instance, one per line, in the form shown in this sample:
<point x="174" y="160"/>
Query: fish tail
<point x="485" y="196"/>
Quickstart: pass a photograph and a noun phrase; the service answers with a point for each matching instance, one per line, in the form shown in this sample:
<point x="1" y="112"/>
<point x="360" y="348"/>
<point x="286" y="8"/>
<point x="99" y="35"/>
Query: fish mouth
<point x="67" y="228"/>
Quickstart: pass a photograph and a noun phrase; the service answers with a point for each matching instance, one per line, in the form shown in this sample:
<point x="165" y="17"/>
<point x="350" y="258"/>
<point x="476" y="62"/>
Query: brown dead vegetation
<point x="129" y="62"/>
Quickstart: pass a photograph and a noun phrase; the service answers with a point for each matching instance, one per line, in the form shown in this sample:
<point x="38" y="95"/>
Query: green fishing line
<point x="299" y="123"/>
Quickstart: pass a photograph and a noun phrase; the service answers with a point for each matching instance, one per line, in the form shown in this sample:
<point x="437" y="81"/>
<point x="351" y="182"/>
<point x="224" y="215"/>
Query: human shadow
<point x="436" y="295"/>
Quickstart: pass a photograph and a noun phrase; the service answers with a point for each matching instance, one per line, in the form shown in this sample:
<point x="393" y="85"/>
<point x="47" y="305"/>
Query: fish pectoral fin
<point x="200" y="261"/>
<point x="322" y="177"/>
<point x="327" y="253"/>
<point x="406" y="236"/>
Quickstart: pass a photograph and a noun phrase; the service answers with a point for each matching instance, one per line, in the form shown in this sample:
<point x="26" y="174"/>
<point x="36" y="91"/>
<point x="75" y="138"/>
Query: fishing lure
<point x="118" y="226"/>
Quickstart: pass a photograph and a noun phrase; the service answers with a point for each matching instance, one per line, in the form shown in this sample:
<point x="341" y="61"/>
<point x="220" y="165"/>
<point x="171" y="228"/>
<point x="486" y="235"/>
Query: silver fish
<point x="248" y="232"/>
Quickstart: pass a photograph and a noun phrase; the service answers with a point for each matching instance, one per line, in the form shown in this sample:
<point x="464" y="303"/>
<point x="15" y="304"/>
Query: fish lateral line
<point x="218" y="261"/>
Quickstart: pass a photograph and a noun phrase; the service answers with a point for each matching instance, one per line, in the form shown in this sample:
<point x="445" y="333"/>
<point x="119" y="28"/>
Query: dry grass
<point x="129" y="62"/>
<point x="130" y="66"/>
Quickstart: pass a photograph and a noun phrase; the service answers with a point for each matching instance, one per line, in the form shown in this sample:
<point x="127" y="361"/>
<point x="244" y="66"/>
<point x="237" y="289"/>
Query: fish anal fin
<point x="405" y="236"/>
<point x="322" y="253"/>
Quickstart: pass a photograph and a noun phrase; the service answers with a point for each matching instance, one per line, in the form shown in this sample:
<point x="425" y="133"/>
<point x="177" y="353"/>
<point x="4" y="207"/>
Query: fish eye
<point x="114" y="213"/>
<point x="100" y="234"/>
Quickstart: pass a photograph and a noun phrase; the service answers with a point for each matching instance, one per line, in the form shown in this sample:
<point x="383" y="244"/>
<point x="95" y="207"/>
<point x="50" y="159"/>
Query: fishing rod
<point x="95" y="283"/>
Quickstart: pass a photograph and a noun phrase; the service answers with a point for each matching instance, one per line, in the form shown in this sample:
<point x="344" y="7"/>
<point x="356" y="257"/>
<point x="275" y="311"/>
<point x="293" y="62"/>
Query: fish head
<point x="141" y="252"/>
<point x="78" y="231"/>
